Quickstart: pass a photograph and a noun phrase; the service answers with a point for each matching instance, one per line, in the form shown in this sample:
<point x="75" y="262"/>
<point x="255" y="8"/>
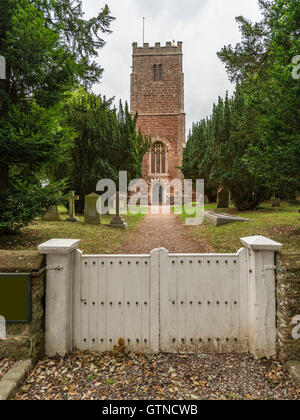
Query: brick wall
<point x="26" y="340"/>
<point x="160" y="104"/>
<point x="288" y="304"/>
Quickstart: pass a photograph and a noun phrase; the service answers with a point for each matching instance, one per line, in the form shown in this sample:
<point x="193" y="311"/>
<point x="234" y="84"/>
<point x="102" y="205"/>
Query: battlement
<point x="168" y="49"/>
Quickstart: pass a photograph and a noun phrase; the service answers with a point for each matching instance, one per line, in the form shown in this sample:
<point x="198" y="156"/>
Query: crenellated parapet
<point x="169" y="49"/>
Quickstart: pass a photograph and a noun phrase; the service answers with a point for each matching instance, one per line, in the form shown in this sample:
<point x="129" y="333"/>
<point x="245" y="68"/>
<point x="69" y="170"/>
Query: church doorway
<point x="157" y="198"/>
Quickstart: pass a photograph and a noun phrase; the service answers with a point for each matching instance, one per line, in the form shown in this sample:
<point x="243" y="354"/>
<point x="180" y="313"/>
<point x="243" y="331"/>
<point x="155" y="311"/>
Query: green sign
<point x="15" y="298"/>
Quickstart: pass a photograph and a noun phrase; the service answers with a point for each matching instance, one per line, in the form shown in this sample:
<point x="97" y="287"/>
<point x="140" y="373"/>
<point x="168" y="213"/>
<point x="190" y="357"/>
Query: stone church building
<point x="157" y="95"/>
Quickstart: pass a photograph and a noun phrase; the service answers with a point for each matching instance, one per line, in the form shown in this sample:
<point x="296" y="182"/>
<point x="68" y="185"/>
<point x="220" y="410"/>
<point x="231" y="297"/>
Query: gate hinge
<point x="55" y="267"/>
<point x="274" y="267"/>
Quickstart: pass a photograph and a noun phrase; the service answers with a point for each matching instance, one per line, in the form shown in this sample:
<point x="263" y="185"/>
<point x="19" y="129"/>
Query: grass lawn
<point x="94" y="239"/>
<point x="280" y="224"/>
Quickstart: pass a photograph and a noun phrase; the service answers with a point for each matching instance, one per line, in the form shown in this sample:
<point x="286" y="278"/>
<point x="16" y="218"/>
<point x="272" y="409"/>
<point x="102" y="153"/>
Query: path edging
<point x="13" y="378"/>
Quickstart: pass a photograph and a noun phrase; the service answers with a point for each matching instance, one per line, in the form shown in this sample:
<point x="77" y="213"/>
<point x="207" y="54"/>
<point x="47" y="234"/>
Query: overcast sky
<point x="204" y="26"/>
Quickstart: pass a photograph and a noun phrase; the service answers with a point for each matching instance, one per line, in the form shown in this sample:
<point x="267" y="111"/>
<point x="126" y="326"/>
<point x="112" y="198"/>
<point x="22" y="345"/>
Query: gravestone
<point x="223" y="199"/>
<point x="91" y="215"/>
<point x="275" y="202"/>
<point x="219" y="219"/>
<point x="118" y="222"/>
<point x="72" y="198"/>
<point x="2" y="328"/>
<point x="52" y="215"/>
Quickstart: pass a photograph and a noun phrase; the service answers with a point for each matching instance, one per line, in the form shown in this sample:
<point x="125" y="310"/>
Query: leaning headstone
<point x="118" y="222"/>
<point x="2" y="328"/>
<point x="72" y="198"/>
<point x="223" y="199"/>
<point x="206" y="200"/>
<point x="275" y="202"/>
<point x="52" y="215"/>
<point x="91" y="215"/>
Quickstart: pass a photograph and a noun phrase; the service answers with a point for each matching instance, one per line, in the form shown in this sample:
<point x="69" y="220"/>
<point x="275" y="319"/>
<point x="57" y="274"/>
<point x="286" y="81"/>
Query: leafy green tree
<point x="106" y="142"/>
<point x="253" y="145"/>
<point x="49" y="49"/>
<point x="263" y="65"/>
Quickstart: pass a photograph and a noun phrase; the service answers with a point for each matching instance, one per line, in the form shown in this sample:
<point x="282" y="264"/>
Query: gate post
<point x="261" y="262"/>
<point x="59" y="295"/>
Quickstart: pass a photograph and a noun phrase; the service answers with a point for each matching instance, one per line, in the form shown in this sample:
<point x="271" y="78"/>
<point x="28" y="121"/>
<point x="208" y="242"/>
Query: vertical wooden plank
<point x="182" y="322"/>
<point x="202" y="301"/>
<point x="85" y="275"/>
<point x="207" y="303"/>
<point x="168" y="303"/>
<point x="214" y="328"/>
<point x="216" y="321"/>
<point x="234" y="276"/>
<point x="244" y="301"/>
<point x="196" y="279"/>
<point x="226" y="304"/>
<point x="154" y="297"/>
<point x="136" y="307"/>
<point x="93" y="304"/>
<point x="77" y="298"/>
<point x="128" y="304"/>
<point x="115" y="318"/>
<point x="192" y="320"/>
<point x="102" y="304"/>
<point x="145" y="283"/>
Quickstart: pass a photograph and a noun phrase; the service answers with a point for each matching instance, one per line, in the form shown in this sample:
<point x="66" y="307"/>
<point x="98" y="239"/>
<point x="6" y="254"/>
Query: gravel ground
<point x="5" y="365"/>
<point x="114" y="376"/>
<point x="163" y="231"/>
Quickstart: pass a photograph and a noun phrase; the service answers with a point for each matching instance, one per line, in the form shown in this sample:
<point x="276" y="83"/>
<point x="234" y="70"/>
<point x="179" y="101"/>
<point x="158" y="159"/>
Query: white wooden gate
<point x="161" y="302"/>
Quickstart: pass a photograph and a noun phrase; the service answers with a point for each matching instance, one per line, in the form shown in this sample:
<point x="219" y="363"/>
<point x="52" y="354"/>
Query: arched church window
<point x="159" y="158"/>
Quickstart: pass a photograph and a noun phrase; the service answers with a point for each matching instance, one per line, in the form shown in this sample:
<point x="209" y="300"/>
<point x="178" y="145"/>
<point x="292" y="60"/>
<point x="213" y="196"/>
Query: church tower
<point x="157" y="95"/>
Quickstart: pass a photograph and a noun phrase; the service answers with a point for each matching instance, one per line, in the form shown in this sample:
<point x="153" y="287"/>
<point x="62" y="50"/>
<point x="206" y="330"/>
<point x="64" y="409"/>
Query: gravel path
<point x="87" y="376"/>
<point x="5" y="365"/>
<point x="163" y="231"/>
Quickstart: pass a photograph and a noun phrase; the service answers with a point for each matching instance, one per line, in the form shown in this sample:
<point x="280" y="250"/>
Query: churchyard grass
<point x="280" y="224"/>
<point x="94" y="239"/>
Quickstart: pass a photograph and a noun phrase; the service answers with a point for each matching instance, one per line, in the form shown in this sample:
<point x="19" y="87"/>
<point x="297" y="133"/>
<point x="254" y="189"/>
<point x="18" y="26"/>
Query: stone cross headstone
<point x="223" y="199"/>
<point x="72" y="198"/>
<point x="91" y="215"/>
<point x="118" y="222"/>
<point x="52" y="215"/>
<point x="2" y="328"/>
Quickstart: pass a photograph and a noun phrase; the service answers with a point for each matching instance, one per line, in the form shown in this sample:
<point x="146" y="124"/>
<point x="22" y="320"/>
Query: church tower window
<point x="154" y="73"/>
<point x="157" y="72"/>
<point x="158" y="158"/>
<point x="160" y="72"/>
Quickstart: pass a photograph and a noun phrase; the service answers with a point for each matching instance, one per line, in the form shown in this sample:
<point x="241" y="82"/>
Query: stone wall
<point x="26" y="340"/>
<point x="288" y="304"/>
